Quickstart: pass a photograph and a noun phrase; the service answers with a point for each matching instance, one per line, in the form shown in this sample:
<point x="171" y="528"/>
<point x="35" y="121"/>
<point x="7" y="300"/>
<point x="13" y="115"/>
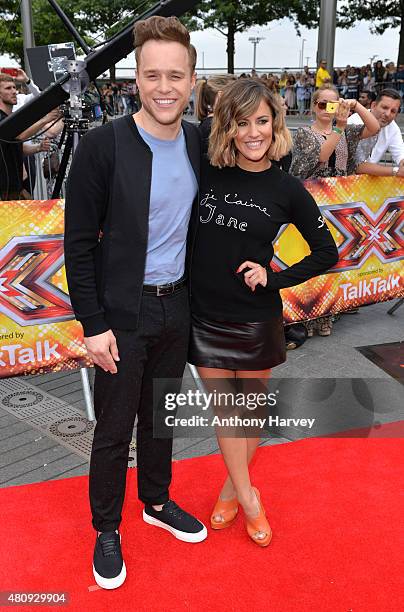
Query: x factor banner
<point x="38" y="332"/>
<point x="365" y="215"/>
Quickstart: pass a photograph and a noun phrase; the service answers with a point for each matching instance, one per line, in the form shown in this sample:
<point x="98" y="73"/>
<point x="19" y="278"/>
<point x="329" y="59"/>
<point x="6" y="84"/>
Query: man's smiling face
<point x="165" y="80"/>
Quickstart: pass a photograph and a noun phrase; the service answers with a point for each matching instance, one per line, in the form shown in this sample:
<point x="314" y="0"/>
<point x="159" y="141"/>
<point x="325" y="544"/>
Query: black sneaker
<point x="181" y="524"/>
<point x="108" y="565"/>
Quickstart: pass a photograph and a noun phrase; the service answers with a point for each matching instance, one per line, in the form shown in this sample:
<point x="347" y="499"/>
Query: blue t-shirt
<point x="173" y="190"/>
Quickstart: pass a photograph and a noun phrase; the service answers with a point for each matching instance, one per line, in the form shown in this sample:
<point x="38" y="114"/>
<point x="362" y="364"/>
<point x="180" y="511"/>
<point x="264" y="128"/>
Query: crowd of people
<point x="296" y="88"/>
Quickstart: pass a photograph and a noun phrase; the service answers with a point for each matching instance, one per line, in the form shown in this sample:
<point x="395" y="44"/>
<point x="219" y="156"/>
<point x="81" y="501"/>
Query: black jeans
<point x="156" y="349"/>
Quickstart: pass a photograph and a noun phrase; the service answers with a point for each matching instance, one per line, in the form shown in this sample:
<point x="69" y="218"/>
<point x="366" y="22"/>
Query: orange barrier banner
<point x="365" y="215"/>
<point x="38" y="332"/>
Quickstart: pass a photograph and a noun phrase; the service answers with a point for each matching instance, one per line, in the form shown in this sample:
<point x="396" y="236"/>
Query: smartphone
<point x="13" y="72"/>
<point x="332" y="107"/>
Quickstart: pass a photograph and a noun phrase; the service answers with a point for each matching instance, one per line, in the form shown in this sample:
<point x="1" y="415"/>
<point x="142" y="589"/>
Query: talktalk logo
<point x="27" y="294"/>
<point x="364" y="233"/>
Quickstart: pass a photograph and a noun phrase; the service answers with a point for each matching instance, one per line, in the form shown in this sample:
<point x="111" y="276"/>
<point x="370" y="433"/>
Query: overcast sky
<point x="281" y="47"/>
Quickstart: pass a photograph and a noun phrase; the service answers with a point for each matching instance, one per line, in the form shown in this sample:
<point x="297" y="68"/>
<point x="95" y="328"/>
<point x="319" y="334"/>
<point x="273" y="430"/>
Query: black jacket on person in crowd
<point x="106" y="223"/>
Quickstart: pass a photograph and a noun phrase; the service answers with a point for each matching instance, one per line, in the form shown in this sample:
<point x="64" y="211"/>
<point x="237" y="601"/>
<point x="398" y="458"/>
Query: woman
<point x="290" y="94"/>
<point x="284" y="161"/>
<point x="237" y="327"/>
<point x="323" y="150"/>
<point x="369" y="81"/>
<point x="389" y="74"/>
<point x="343" y="83"/>
<point x="378" y="71"/>
<point x="206" y="94"/>
<point x="282" y="83"/>
<point x="301" y="93"/>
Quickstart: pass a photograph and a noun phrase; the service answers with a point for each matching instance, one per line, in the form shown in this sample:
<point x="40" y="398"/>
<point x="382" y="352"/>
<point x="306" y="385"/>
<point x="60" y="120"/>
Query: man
<point x="372" y="150"/>
<point x="131" y="188"/>
<point x="400" y="83"/>
<point x="33" y="91"/>
<point x="366" y="98"/>
<point x="352" y="83"/>
<point x="11" y="153"/>
<point x="322" y="74"/>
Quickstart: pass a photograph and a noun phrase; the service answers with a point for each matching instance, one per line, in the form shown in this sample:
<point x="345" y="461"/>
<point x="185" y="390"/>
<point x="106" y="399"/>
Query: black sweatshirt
<point x="241" y="213"/>
<point x="106" y="223"/>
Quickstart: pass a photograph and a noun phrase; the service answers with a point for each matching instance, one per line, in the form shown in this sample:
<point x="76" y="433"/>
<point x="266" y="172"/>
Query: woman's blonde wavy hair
<point x="238" y="101"/>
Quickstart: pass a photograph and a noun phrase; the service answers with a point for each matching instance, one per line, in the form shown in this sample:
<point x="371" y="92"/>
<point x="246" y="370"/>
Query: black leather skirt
<point x="237" y="346"/>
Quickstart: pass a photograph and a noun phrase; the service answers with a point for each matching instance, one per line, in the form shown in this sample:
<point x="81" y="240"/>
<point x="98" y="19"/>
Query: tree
<point x="230" y="17"/>
<point x="95" y="20"/>
<point x="108" y="16"/>
<point x="47" y="26"/>
<point x="382" y="15"/>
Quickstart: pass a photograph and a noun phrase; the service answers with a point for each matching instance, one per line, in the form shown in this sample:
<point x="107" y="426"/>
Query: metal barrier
<point x="41" y="172"/>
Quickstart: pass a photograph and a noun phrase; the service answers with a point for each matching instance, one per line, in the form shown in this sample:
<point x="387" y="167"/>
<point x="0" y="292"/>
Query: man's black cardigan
<point x="106" y="223"/>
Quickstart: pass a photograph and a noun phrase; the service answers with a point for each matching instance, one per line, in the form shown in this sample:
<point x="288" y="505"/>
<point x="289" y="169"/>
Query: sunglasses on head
<point x="322" y="105"/>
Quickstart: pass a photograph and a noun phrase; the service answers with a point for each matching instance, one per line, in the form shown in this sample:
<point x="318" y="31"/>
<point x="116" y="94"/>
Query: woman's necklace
<point x="320" y="131"/>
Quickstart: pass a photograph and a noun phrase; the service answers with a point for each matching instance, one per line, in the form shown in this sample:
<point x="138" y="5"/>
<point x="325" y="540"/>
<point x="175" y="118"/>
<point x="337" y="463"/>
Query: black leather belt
<point x="167" y="289"/>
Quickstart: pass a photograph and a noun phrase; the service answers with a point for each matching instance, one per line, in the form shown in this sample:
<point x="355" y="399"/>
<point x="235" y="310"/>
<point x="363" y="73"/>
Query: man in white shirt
<point x="371" y="150"/>
<point x="33" y="90"/>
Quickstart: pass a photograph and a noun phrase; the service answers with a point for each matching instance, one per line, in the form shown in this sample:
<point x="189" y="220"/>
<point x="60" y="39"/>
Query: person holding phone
<point x="328" y="148"/>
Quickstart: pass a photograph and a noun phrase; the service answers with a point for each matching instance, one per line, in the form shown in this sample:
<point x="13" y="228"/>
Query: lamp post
<point x="27" y="31"/>
<point x="302" y="52"/>
<point x="255" y="41"/>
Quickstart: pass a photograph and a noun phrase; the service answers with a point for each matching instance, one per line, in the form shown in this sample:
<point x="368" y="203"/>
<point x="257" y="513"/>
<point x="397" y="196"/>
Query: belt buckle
<point x="165" y="289"/>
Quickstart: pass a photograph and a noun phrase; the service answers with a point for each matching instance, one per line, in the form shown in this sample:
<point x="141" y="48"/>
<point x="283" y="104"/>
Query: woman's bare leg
<point x="238" y="452"/>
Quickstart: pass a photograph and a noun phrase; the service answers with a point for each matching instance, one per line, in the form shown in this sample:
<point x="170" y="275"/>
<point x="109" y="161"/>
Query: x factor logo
<point x="364" y="233"/>
<point x="27" y="294"/>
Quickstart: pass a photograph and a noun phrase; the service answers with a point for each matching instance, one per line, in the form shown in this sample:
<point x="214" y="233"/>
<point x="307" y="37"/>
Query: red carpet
<point x="333" y="504"/>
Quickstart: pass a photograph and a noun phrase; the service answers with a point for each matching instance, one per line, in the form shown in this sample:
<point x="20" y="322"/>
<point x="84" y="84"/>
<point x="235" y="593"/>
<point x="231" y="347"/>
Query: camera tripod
<point x="75" y="125"/>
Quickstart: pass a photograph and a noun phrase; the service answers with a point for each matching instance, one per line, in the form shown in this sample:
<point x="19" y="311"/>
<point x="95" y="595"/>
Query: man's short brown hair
<point x="5" y="77"/>
<point x="169" y="29"/>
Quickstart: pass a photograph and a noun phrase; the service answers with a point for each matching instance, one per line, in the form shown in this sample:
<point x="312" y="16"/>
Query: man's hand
<point x="44" y="145"/>
<point x="401" y="163"/>
<point x="103" y="350"/>
<point x="22" y="76"/>
<point x="400" y="170"/>
<point x="53" y="115"/>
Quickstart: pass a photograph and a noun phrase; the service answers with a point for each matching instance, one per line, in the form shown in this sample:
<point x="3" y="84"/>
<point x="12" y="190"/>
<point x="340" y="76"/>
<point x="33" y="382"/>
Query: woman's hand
<point x="352" y="103"/>
<point x="256" y="275"/>
<point x="342" y="114"/>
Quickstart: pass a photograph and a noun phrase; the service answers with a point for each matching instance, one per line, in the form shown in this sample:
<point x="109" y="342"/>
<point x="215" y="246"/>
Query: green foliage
<point x="382" y="15"/>
<point x="95" y="20"/>
<point x="246" y="14"/>
<point x="232" y="16"/>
